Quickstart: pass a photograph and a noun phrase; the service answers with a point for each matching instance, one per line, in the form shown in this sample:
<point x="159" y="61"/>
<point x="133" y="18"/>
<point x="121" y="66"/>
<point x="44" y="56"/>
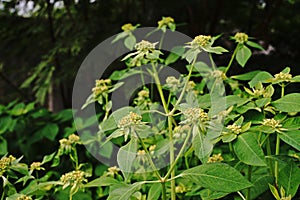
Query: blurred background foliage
<point x="43" y="42"/>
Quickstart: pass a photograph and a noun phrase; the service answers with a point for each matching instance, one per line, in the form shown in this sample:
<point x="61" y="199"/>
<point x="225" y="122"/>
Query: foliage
<point x="53" y="36"/>
<point x="221" y="136"/>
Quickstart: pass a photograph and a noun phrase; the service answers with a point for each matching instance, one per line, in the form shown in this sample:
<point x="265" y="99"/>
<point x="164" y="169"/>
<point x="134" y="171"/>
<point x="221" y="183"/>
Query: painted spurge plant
<point x="202" y="135"/>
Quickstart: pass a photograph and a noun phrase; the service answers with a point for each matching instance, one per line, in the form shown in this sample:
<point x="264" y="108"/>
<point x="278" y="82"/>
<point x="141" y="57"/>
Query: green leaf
<point x="226" y="138"/>
<point x="202" y="145"/>
<point x="106" y="150"/>
<point x="292" y="138"/>
<point x="175" y="54"/>
<point x="172" y="26"/>
<point x="288" y="103"/>
<point x="289" y="178"/>
<point x="262" y="102"/>
<point x="154" y="192"/>
<point x="296" y="78"/>
<point x="122" y="74"/>
<point x="292" y="123"/>
<point x="130" y="42"/>
<point x="101" y="181"/>
<point x="49" y="131"/>
<point x="217" y="177"/>
<point x="248" y="150"/>
<point x="64" y="115"/>
<point x="18" y="109"/>
<point x="235" y="100"/>
<point x="5" y="123"/>
<point x="286" y="70"/>
<point x="243" y="54"/>
<point x="123" y="191"/>
<point x="3" y="146"/>
<point x="216" y="50"/>
<point x="255" y="45"/>
<point x="247" y="76"/>
<point x="120" y="36"/>
<point x="114" y="118"/>
<point x="201" y="67"/>
<point x="126" y="156"/>
<point x="207" y="194"/>
<point x="274" y="192"/>
<point x="37" y="71"/>
<point x="88" y="101"/>
<point x="260" y="185"/>
<point x="191" y="55"/>
<point x="48" y="158"/>
<point x="260" y="77"/>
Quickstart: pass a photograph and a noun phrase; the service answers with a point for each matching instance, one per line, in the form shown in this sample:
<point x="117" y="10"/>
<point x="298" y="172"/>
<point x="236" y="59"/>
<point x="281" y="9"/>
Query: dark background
<point x="60" y="38"/>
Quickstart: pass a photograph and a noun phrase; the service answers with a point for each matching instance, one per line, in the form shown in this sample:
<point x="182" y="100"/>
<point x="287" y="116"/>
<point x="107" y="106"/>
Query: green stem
<point x="183" y="90"/>
<point x="161" y="40"/>
<point x="269" y="153"/>
<point x="142" y="77"/>
<point x="149" y="157"/>
<point x="179" y="155"/>
<point x="172" y="158"/>
<point x="249" y="179"/>
<point x="75" y="157"/>
<point x="212" y="61"/>
<point x="106" y="110"/>
<point x="277" y="150"/>
<point x="264" y="140"/>
<point x="259" y="137"/>
<point x="241" y="195"/>
<point x="231" y="59"/>
<point x="2" y="196"/>
<point x="231" y="149"/>
<point x="164" y="195"/>
<point x="276" y="169"/>
<point x="159" y="88"/>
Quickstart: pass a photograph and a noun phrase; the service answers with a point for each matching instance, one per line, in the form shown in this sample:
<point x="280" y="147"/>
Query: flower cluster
<point x="112" y="171"/>
<point x="5" y="162"/>
<point x="75" y="179"/>
<point x="36" y="166"/>
<point x="66" y="144"/>
<point x="101" y="87"/>
<point x="145" y="53"/>
<point x="172" y="83"/>
<point x="236" y="129"/>
<point x="141" y="156"/>
<point x="218" y="74"/>
<point x="24" y="197"/>
<point x="166" y="22"/>
<point x="128" y="27"/>
<point x="273" y="123"/>
<point x="283" y="77"/>
<point x="201" y="41"/>
<point x="145" y="46"/>
<point x="259" y="91"/>
<point x="152" y="149"/>
<point x="130" y="120"/>
<point x="190" y="86"/>
<point x="128" y="123"/>
<point x="195" y="115"/>
<point x="215" y="158"/>
<point x="181" y="131"/>
<point x="143" y="100"/>
<point x="180" y="189"/>
<point x="241" y="38"/>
